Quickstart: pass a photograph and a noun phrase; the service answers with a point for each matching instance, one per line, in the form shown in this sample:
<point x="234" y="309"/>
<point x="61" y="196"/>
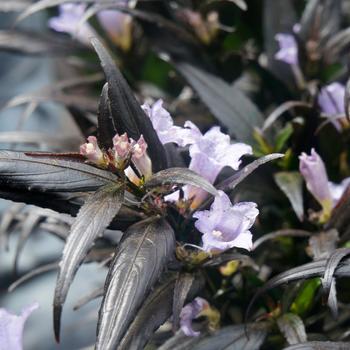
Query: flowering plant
<point x="198" y="199"/>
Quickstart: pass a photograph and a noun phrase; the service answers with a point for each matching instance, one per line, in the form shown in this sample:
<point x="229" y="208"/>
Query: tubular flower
<point x="210" y="153"/>
<point x="225" y="226"/>
<point x="164" y="126"/>
<point x="92" y="151"/>
<point x="314" y="172"/>
<point x="118" y="26"/>
<point x="190" y="312"/>
<point x="11" y="327"/>
<point x="68" y="22"/>
<point x="288" y="51"/>
<point x="331" y="100"/>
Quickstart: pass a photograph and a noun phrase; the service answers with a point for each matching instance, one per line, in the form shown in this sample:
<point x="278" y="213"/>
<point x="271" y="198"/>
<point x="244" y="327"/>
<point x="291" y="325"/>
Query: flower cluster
<point x="124" y="151"/>
<point x="225" y="225"/>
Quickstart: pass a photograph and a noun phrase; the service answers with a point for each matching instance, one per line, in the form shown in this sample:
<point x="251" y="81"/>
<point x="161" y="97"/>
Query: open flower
<point x="210" y="153"/>
<point x="92" y="151"/>
<point x="225" y="226"/>
<point x="11" y="327"/>
<point x="164" y="126"/>
<point x="68" y="22"/>
<point x="118" y="26"/>
<point x="288" y="51"/>
<point x="331" y="100"/>
<point x="190" y="312"/>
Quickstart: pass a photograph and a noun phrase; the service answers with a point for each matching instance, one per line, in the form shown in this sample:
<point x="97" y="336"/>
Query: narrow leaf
<point x="237" y="178"/>
<point x="291" y="184"/>
<point x="94" y="216"/>
<point x="20" y="171"/>
<point x="227" y="103"/>
<point x="180" y="176"/>
<point x="182" y="287"/>
<point x="293" y="328"/>
<point x="138" y="263"/>
<point x="127" y="114"/>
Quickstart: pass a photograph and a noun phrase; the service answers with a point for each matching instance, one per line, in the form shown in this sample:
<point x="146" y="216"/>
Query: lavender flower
<point x="164" y="126"/>
<point x="11" y="327"/>
<point x="118" y="26"/>
<point x="92" y="151"/>
<point x="314" y="172"/>
<point x="190" y="312"/>
<point x="140" y="158"/>
<point x="68" y="22"/>
<point x="225" y="225"/>
<point x="210" y="153"/>
<point x="331" y="101"/>
<point x="288" y="51"/>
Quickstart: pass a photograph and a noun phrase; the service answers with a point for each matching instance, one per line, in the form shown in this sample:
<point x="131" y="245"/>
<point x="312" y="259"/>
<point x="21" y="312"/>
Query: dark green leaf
<point x="138" y="263"/>
<point x="291" y="183"/>
<point x="93" y="218"/>
<point x="180" y="176"/>
<point x="227" y="103"/>
<point x="127" y="114"/>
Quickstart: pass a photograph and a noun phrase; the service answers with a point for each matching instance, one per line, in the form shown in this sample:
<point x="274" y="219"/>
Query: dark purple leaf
<point x="93" y="218"/>
<point x="127" y="114"/>
<point x="320" y="345"/>
<point x="293" y="328"/>
<point x="50" y="175"/>
<point x="138" y="263"/>
<point x="180" y="176"/>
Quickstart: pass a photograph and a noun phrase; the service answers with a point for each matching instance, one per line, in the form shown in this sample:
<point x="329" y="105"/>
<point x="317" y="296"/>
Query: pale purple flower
<point x="11" y="327"/>
<point x="164" y="126"/>
<point x="92" y="151"/>
<point x="117" y="25"/>
<point x="225" y="226"/>
<point x="314" y="172"/>
<point x="331" y="100"/>
<point x="122" y="145"/>
<point x="68" y="22"/>
<point x="210" y="153"/>
<point x="190" y="312"/>
<point x="337" y="190"/>
<point x="288" y="51"/>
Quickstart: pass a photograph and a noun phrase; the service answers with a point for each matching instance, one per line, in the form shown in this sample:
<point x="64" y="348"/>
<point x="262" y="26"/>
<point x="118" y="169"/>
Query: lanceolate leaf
<point x="105" y="132"/>
<point x="248" y="337"/>
<point x="138" y="263"/>
<point x="94" y="216"/>
<point x="227" y="103"/>
<point x="41" y="174"/>
<point x="180" y="176"/>
<point x="293" y="328"/>
<point x="155" y="311"/>
<point x="234" y="180"/>
<point x="182" y="287"/>
<point x="127" y="114"/>
<point x="291" y="183"/>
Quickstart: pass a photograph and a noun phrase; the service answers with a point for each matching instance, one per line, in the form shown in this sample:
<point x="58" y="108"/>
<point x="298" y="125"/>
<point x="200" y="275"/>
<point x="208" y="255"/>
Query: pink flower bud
<point x="92" y="151"/>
